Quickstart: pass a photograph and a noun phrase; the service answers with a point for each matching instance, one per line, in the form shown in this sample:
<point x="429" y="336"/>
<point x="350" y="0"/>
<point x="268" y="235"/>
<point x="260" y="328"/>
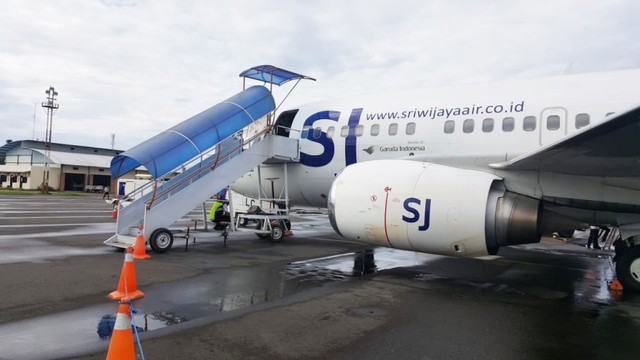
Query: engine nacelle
<point x="430" y="208"/>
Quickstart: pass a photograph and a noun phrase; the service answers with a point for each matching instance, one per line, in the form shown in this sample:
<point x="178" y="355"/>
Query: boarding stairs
<point x="250" y="141"/>
<point x="162" y="202"/>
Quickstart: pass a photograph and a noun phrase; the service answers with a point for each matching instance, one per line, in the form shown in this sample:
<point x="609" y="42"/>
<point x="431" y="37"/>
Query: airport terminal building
<point x="71" y="167"/>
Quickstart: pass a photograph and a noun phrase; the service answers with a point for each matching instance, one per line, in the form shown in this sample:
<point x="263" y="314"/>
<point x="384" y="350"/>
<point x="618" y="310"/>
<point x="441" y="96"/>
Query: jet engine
<point x="430" y="208"/>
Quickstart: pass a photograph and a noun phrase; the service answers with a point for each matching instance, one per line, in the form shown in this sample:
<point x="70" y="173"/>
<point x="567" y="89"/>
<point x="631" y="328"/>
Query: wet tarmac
<point x="225" y="289"/>
<point x="548" y="300"/>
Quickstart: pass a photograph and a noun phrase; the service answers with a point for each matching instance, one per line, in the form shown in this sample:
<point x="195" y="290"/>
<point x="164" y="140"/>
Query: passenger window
<point x="359" y="130"/>
<point x="344" y="131"/>
<point x="449" y="126"/>
<point x="330" y="132"/>
<point x="467" y="126"/>
<point x="317" y="132"/>
<point x="508" y="124"/>
<point x="582" y="120"/>
<point x="393" y="129"/>
<point x="411" y="128"/>
<point x="304" y="134"/>
<point x="487" y="125"/>
<point x="553" y="122"/>
<point x="375" y="130"/>
<point x="529" y="123"/>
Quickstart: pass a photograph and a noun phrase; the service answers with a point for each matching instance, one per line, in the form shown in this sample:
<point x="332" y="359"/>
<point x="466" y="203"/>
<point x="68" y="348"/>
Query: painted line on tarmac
<point x="55" y="217"/>
<point x="54" y="211"/>
<point x="49" y="225"/>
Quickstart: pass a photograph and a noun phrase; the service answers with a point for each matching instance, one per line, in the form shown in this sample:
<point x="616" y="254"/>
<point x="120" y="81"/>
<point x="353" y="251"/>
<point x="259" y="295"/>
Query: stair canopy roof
<point x="175" y="146"/>
<point x="272" y="74"/>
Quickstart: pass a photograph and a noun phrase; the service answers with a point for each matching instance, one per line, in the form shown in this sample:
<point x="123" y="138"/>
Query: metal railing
<point x="201" y="165"/>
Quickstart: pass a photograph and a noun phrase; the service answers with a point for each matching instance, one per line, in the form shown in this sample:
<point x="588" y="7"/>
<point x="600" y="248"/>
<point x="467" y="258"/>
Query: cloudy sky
<point x="136" y="67"/>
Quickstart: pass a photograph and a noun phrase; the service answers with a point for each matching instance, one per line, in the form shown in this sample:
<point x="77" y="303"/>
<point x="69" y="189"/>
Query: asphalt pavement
<point x="312" y="296"/>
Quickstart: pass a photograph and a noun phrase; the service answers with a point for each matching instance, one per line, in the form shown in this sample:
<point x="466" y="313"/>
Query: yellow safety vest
<point x="212" y="212"/>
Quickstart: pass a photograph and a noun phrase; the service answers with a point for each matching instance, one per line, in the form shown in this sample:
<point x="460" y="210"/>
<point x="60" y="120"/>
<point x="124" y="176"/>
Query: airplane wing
<point x="610" y="148"/>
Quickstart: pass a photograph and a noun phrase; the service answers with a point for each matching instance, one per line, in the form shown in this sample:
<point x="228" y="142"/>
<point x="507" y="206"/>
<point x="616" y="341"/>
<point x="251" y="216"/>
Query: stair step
<point x="121" y="241"/>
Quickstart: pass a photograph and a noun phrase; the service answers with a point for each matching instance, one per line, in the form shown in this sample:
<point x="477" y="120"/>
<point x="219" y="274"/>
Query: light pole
<point x="50" y="105"/>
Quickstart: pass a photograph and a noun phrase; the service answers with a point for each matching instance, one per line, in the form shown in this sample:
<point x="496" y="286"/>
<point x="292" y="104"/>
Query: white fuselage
<point x="469" y="126"/>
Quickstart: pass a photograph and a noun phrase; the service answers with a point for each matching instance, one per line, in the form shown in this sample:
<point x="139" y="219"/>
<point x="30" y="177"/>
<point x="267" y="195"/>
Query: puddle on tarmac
<point x="359" y="263"/>
<point x="142" y="322"/>
<point x="172" y="303"/>
<point x="578" y="284"/>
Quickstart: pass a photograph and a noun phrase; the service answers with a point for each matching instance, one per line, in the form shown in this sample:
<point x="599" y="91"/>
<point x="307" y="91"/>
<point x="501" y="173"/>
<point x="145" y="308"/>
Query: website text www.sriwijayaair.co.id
<point x="437" y="112"/>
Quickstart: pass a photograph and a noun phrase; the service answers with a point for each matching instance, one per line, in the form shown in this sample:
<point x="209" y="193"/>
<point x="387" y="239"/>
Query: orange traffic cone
<point x="121" y="346"/>
<point x="140" y="251"/>
<point x="127" y="286"/>
<point x="616" y="285"/>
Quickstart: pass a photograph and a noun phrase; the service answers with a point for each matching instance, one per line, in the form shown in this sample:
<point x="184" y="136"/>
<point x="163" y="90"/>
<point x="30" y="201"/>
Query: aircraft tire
<point x="161" y="240"/>
<point x="628" y="268"/>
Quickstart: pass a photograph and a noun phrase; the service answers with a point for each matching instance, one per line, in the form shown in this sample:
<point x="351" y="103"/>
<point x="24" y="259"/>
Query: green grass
<point x="37" y="192"/>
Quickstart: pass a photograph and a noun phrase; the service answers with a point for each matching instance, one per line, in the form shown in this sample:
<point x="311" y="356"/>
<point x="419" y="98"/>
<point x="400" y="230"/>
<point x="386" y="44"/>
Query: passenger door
<point x="284" y="121"/>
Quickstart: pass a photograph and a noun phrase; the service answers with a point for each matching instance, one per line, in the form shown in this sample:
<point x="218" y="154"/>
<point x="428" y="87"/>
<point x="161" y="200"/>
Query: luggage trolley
<point x="268" y="225"/>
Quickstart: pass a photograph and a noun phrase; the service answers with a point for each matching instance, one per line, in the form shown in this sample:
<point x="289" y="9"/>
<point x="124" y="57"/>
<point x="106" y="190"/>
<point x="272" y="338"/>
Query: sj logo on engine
<point x="413" y="207"/>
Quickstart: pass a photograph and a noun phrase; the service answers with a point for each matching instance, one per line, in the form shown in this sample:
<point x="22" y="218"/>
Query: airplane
<point x="465" y="170"/>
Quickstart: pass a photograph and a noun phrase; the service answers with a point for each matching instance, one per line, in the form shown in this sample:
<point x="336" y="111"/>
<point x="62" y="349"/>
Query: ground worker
<point x="594" y="232"/>
<point x="219" y="213"/>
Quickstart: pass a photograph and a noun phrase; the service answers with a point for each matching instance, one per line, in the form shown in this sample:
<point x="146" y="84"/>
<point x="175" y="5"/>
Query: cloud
<point x="135" y="68"/>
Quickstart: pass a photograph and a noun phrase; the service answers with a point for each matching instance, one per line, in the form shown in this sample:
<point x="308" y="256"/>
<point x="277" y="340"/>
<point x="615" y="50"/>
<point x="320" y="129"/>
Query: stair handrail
<point x="133" y="195"/>
<point x="137" y="193"/>
<point x="199" y="172"/>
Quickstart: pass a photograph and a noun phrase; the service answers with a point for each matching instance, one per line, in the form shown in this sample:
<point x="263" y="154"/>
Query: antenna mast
<point x="50" y="105"/>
